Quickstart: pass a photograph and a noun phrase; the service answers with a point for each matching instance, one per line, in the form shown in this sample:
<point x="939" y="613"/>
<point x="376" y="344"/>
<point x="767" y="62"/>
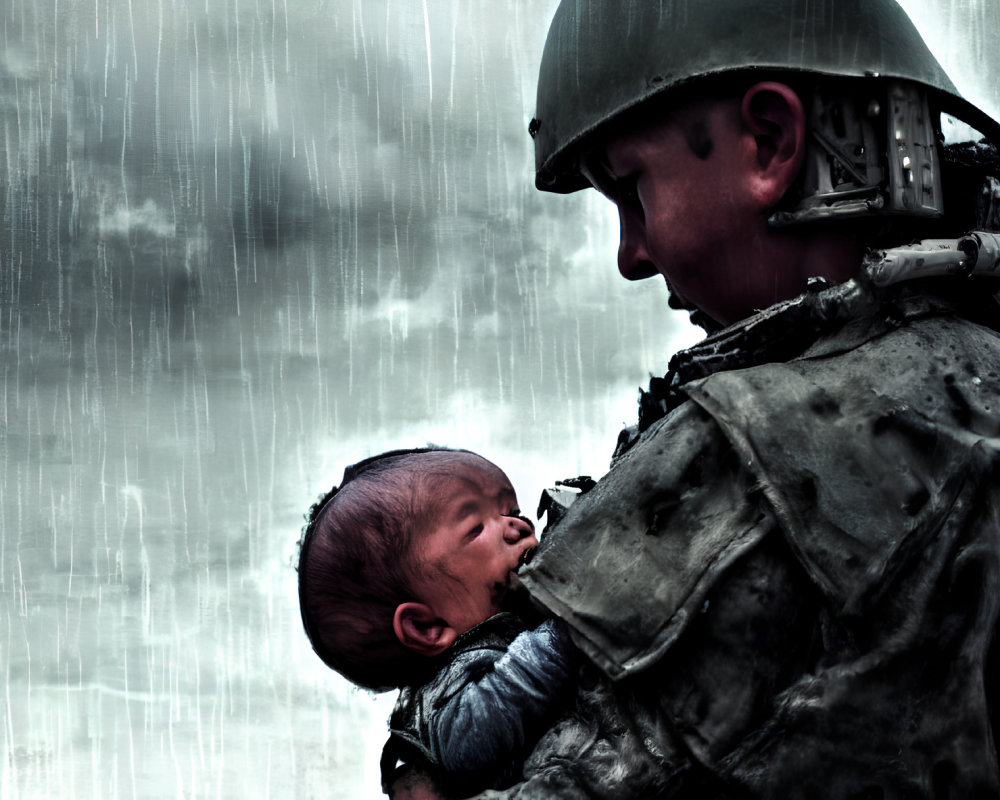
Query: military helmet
<point x="604" y="57"/>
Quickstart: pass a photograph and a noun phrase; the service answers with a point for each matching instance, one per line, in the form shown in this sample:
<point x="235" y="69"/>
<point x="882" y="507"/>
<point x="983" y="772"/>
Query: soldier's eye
<point x="628" y="190"/>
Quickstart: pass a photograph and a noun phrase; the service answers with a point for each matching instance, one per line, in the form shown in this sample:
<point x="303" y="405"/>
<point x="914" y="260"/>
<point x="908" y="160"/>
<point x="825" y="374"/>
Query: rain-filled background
<point x="244" y="243"/>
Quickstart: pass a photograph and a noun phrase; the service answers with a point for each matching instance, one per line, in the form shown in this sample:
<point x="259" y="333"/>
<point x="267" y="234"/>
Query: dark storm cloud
<point x="166" y="156"/>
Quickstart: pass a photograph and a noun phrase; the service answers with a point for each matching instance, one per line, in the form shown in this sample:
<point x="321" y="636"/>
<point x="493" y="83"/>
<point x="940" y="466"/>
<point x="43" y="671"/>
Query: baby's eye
<point x="476" y="530"/>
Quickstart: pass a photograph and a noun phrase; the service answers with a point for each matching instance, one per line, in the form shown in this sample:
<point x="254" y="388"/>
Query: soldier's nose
<point x="634" y="262"/>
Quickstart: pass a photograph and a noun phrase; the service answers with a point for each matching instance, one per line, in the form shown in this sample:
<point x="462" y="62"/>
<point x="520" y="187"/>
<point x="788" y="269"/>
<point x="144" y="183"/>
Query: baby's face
<point x="465" y="561"/>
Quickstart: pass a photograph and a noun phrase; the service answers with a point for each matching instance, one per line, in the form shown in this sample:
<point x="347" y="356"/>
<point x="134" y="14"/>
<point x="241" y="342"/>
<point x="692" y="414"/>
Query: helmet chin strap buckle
<point x="869" y="157"/>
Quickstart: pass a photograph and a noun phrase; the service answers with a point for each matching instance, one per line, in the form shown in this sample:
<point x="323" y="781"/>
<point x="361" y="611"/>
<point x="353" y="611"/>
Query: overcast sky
<point x="245" y="243"/>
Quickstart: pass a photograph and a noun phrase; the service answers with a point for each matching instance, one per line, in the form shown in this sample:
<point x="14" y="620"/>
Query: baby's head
<point x="414" y="548"/>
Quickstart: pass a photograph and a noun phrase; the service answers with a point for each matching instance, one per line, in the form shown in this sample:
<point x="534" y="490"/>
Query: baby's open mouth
<point x="526" y="556"/>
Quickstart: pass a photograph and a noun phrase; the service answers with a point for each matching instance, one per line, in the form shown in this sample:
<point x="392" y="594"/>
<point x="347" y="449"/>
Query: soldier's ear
<point x="420" y="629"/>
<point x="773" y="115"/>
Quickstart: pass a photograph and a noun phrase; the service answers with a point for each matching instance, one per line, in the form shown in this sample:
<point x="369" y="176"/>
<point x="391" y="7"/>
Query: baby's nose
<point x="517" y="528"/>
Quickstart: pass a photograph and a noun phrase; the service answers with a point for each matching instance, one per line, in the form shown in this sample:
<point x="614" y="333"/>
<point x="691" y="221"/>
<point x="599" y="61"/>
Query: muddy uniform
<point x="790" y="581"/>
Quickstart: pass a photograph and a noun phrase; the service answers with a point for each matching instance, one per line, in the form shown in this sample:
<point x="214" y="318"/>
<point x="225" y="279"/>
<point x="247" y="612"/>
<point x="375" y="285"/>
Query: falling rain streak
<point x="244" y="243"/>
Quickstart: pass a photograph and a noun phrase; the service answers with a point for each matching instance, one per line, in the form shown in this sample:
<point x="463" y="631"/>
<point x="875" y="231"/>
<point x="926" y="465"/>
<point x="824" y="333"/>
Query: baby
<point x="404" y="570"/>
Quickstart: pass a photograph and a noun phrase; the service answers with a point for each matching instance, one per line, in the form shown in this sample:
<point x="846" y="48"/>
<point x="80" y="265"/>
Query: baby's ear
<point x="419" y="628"/>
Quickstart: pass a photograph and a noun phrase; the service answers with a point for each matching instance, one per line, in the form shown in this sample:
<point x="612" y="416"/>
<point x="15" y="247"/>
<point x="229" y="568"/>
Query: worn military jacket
<point x="789" y="584"/>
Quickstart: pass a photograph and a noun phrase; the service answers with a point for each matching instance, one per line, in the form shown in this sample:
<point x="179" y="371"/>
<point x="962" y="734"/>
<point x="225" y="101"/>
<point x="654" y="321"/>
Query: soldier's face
<point x="681" y="188"/>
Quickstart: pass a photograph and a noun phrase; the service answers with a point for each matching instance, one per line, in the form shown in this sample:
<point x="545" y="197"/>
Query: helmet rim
<point x="604" y="58"/>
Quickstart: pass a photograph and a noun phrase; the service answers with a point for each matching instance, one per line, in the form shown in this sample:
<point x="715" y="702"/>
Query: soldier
<point x="788" y="584"/>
